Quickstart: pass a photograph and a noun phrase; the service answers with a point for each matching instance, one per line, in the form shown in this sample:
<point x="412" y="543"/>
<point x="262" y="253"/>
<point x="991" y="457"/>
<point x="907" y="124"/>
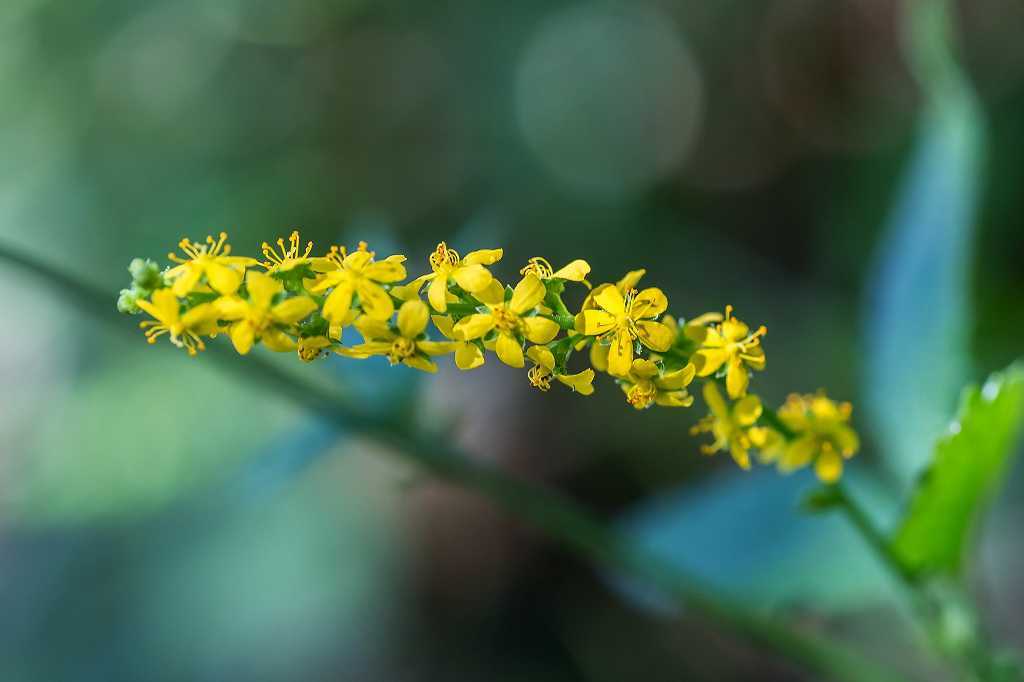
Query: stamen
<point x="443" y="256"/>
<point x="538" y="266"/>
<point x="540" y="378"/>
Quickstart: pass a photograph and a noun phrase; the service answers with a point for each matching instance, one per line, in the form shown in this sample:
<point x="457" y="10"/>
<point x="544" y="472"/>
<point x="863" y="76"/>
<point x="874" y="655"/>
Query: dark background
<point x="165" y="520"/>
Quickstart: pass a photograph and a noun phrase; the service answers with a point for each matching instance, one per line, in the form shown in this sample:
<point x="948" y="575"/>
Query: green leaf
<point x="966" y="471"/>
<point x="920" y="284"/>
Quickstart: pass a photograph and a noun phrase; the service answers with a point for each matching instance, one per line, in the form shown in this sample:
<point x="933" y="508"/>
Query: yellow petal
<point x="435" y="348"/>
<point x="540" y="329"/>
<point x="278" y="341"/>
<point x="185" y="283"/>
<point x="748" y="410"/>
<point x="737" y="379"/>
<point x="847" y="441"/>
<point x="331" y="279"/>
<point x="709" y="360"/>
<point x="654" y="335"/>
<point x="644" y="369"/>
<point x="368" y="349"/>
<point x="595" y="322"/>
<point x="374" y="330"/>
<point x="473" y="327"/>
<point x="509" y="351"/>
<point x="437" y="293"/>
<point x="582" y="382"/>
<point x="421" y="363"/>
<point x="164" y="306"/>
<point x="648" y="304"/>
<point x="681" y="378"/>
<point x="339" y="302"/>
<point x="198" y="315"/>
<point x="673" y="399"/>
<point x="293" y="310"/>
<point x="357" y="260"/>
<point x="242" y="337"/>
<point x="473" y="277"/>
<point x="444" y="325"/>
<point x="483" y="257"/>
<point x="493" y="295"/>
<point x="468" y="356"/>
<point x="740" y="455"/>
<point x="599" y="356"/>
<point x="541" y="356"/>
<point x="412" y="318"/>
<point x="754" y="357"/>
<point x="734" y="330"/>
<point x="223" y="279"/>
<point x="715" y="401"/>
<point x="385" y="271"/>
<point x="629" y="282"/>
<point x="611" y="300"/>
<point x="528" y="293"/>
<point x="575" y="271"/>
<point x="798" y="454"/>
<point x="374" y="301"/>
<point x="410" y="291"/>
<point x="706" y="319"/>
<point x="829" y="467"/>
<point x="231" y="308"/>
<point x="620" y="355"/>
<point x="695" y="332"/>
<point x="262" y="289"/>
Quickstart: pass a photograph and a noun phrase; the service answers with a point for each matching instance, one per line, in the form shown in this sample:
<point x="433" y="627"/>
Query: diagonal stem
<point x="558" y="517"/>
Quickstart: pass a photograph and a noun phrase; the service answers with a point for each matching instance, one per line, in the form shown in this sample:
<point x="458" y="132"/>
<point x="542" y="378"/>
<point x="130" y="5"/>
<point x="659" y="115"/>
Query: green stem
<point x="548" y="511"/>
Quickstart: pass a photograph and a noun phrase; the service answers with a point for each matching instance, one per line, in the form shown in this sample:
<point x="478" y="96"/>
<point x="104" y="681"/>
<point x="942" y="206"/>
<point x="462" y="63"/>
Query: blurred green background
<point x="163" y="519"/>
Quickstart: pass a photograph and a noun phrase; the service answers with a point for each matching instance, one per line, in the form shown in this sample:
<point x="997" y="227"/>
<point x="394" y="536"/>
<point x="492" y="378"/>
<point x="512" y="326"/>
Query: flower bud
<point x="145" y="274"/>
<point x="126" y="302"/>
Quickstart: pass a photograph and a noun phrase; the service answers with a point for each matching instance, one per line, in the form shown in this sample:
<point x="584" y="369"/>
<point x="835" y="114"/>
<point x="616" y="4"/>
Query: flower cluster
<point x="295" y="301"/>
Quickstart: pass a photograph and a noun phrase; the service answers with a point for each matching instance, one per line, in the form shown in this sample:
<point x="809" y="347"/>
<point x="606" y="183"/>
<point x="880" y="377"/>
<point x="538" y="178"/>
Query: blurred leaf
<point x="747" y="536"/>
<point x="968" y="468"/>
<point x="918" y="317"/>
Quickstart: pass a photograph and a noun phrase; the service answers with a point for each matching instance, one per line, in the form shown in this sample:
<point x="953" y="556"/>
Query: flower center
<point x="642" y="395"/>
<point x="401" y="349"/>
<point x="284" y="253"/>
<point x="538" y="266"/>
<point x="444" y="258"/>
<point x="505" y="320"/>
<point x="540" y="377"/>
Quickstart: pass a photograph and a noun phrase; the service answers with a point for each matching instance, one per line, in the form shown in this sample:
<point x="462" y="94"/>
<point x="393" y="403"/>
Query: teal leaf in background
<point x="918" y="318"/>
<point x="968" y="467"/>
<point x="746" y="536"/>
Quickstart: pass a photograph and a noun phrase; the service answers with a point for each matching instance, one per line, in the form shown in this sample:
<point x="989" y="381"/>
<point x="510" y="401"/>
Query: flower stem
<point x="558" y="517"/>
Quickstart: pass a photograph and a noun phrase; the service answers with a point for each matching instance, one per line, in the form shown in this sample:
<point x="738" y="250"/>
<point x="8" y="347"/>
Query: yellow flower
<point x="575" y="271"/>
<point x="223" y="271"/>
<point x="312" y="347"/>
<point x="646" y="385"/>
<point x="258" y="317"/>
<point x="822" y="435"/>
<point x="543" y="371"/>
<point x="469" y="273"/>
<point x="622" y="320"/>
<point x="409" y="346"/>
<point x="467" y="353"/>
<point x="286" y="257"/>
<point x="729" y="424"/>
<point x="184" y="330"/>
<point x="729" y="343"/>
<point x="358" y="273"/>
<point x="509" y="320"/>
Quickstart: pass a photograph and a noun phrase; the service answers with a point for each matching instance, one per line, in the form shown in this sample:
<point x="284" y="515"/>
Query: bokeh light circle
<point x="608" y="98"/>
